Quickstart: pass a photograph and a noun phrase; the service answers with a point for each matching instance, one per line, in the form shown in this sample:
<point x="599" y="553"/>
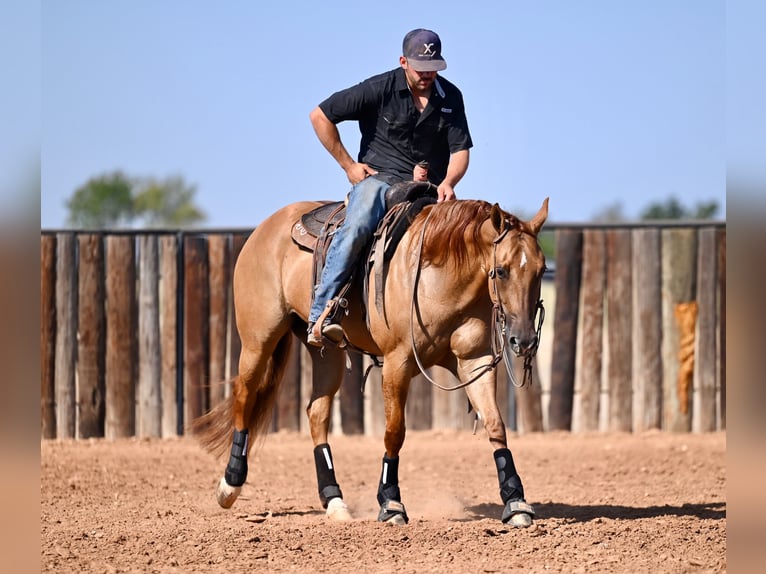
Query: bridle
<point x="498" y="325"/>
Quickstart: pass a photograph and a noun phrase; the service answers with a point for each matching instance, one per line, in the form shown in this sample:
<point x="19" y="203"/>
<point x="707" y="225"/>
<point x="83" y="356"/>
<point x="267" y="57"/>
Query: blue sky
<point x="593" y="103"/>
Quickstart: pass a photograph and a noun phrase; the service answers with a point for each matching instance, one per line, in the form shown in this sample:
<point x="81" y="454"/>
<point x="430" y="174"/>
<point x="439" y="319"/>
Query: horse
<point x="460" y="290"/>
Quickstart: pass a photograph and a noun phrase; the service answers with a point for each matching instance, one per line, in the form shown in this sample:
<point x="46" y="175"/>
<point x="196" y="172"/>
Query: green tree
<point x="672" y="208"/>
<point x="168" y="202"/>
<point x="103" y="201"/>
<point x="116" y="200"/>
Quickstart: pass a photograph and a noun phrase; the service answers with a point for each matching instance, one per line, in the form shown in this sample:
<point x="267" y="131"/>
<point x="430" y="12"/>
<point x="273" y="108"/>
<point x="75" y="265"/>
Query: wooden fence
<point x="137" y="333"/>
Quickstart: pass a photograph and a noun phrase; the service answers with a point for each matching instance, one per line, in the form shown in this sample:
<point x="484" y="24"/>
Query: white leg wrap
<point x="225" y="494"/>
<point x="337" y="510"/>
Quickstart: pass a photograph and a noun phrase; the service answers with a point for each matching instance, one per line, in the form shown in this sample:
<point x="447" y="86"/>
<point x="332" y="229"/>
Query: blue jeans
<point x="366" y="207"/>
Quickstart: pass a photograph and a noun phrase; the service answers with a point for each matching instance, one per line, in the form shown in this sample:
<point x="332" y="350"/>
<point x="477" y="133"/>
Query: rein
<point x="499" y="321"/>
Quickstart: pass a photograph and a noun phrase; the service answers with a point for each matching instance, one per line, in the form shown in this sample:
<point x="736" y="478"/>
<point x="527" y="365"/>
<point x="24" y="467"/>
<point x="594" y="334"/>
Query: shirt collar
<point x="400" y="84"/>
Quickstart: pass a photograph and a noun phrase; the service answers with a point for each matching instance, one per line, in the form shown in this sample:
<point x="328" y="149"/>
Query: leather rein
<point x="499" y="324"/>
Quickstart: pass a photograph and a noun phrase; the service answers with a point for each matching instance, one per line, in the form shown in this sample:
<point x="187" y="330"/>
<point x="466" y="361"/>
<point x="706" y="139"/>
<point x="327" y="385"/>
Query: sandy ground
<point x="605" y="503"/>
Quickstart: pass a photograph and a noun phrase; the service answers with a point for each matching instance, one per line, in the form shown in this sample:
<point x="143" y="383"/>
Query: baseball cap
<point x="423" y="50"/>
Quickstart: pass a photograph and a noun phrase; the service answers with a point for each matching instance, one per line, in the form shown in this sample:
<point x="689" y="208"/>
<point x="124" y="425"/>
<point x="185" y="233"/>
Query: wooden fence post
<point x="568" y="272"/>
<point x="149" y="412"/>
<point x="374" y="417"/>
<point x="220" y="283"/>
<point x="705" y="356"/>
<point x="351" y="397"/>
<point x="647" y="329"/>
<point x="66" y="335"/>
<point x="679" y="248"/>
<point x="121" y="352"/>
<point x="289" y="403"/>
<point x="196" y="338"/>
<point x="48" y="336"/>
<point x="721" y="329"/>
<point x="169" y="333"/>
<point x="591" y="333"/>
<point x="91" y="342"/>
<point x="619" y="305"/>
<point x="419" y="407"/>
<point x="528" y="398"/>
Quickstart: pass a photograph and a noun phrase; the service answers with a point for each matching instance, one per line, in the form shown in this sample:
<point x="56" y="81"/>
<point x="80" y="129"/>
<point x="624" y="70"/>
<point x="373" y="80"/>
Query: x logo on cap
<point x="428" y="49"/>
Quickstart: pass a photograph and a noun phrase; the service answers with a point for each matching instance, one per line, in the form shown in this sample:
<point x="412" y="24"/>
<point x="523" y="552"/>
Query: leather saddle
<point x="330" y="215"/>
<point x="314" y="230"/>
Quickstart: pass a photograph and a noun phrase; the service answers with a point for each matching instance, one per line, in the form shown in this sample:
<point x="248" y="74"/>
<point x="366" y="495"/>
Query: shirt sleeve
<point x="350" y="104"/>
<point x="458" y="135"/>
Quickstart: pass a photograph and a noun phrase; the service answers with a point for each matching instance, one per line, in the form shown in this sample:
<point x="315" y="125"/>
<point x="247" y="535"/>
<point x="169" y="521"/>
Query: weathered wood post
<point x="149" y="413"/>
<point x="568" y="273"/>
<point x="721" y="329"/>
<point x="288" y="406"/>
<point x="619" y="305"/>
<point x="91" y="341"/>
<point x="679" y="260"/>
<point x="121" y="353"/>
<point x="351" y="398"/>
<point x="169" y="333"/>
<point x="705" y="351"/>
<point x="591" y="332"/>
<point x="48" y="336"/>
<point x="647" y="329"/>
<point x="196" y="324"/>
<point x="66" y="335"/>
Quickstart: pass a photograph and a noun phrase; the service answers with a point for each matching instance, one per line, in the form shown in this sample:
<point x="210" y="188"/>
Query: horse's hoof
<point x="337" y="510"/>
<point x="226" y="494"/>
<point x="521" y="520"/>
<point x="393" y="512"/>
<point x="396" y="520"/>
<point x="518" y="513"/>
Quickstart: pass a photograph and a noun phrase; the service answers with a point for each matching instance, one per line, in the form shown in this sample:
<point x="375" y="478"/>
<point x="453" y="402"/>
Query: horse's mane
<point x="453" y="230"/>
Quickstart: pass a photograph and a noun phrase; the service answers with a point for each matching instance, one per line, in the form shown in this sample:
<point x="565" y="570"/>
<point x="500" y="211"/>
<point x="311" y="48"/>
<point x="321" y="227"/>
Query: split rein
<point x="499" y="326"/>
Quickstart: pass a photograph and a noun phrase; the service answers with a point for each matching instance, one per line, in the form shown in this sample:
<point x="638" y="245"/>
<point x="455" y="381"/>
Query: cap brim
<point x="426" y="65"/>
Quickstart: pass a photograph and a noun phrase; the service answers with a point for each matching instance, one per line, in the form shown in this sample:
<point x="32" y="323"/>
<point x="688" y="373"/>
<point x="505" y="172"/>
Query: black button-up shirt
<point x="395" y="136"/>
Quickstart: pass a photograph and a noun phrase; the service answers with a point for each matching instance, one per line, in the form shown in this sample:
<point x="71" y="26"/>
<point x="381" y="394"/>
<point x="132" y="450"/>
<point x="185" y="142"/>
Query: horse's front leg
<point x="327" y="374"/>
<point x="482" y="395"/>
<point x="396" y="383"/>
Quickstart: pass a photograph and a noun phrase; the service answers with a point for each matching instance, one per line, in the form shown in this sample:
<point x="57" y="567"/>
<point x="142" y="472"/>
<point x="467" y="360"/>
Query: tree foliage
<point x="672" y="208"/>
<point x="116" y="200"/>
<point x="104" y="201"/>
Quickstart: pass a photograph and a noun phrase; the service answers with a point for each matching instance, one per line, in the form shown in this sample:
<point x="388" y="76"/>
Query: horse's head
<point x="515" y="275"/>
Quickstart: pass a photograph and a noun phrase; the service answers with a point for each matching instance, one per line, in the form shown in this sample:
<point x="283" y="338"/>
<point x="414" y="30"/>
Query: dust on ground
<point x="653" y="502"/>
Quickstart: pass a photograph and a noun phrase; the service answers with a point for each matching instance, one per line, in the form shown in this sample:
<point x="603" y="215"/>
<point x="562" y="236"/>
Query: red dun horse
<point x="464" y="281"/>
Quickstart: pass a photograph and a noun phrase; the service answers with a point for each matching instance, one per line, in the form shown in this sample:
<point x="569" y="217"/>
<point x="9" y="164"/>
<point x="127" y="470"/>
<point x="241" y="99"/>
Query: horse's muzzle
<point x="523" y="346"/>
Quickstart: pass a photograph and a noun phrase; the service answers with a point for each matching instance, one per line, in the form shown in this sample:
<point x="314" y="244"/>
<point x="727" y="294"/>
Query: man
<point x="407" y="116"/>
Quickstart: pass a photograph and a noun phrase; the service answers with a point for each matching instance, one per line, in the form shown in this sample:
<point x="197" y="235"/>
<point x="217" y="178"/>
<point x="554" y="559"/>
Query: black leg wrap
<point x="388" y="489"/>
<point x="328" y="486"/>
<point x="389" y="496"/>
<point x="236" y="470"/>
<point x="510" y="482"/>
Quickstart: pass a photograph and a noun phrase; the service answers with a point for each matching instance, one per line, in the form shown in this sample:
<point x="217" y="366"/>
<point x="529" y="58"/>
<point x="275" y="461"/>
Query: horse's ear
<point x="537" y="221"/>
<point x="498" y="218"/>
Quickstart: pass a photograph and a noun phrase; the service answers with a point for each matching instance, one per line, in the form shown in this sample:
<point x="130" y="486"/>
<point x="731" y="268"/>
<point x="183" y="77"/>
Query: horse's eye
<point x="501" y="273"/>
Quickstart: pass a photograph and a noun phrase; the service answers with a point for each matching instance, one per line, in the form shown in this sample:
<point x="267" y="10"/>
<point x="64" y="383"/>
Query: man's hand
<point x="445" y="192"/>
<point x="359" y="171"/>
<point x="420" y="173"/>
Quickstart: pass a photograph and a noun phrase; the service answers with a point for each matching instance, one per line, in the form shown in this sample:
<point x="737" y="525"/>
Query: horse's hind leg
<point x="253" y="397"/>
<point x="327" y="375"/>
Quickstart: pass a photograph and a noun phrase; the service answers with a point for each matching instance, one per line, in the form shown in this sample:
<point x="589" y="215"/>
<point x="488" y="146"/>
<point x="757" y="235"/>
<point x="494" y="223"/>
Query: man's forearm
<point x="329" y="136"/>
<point x="458" y="165"/>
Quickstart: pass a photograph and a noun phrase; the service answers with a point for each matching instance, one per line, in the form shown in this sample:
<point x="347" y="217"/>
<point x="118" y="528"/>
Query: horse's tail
<point x="215" y="429"/>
